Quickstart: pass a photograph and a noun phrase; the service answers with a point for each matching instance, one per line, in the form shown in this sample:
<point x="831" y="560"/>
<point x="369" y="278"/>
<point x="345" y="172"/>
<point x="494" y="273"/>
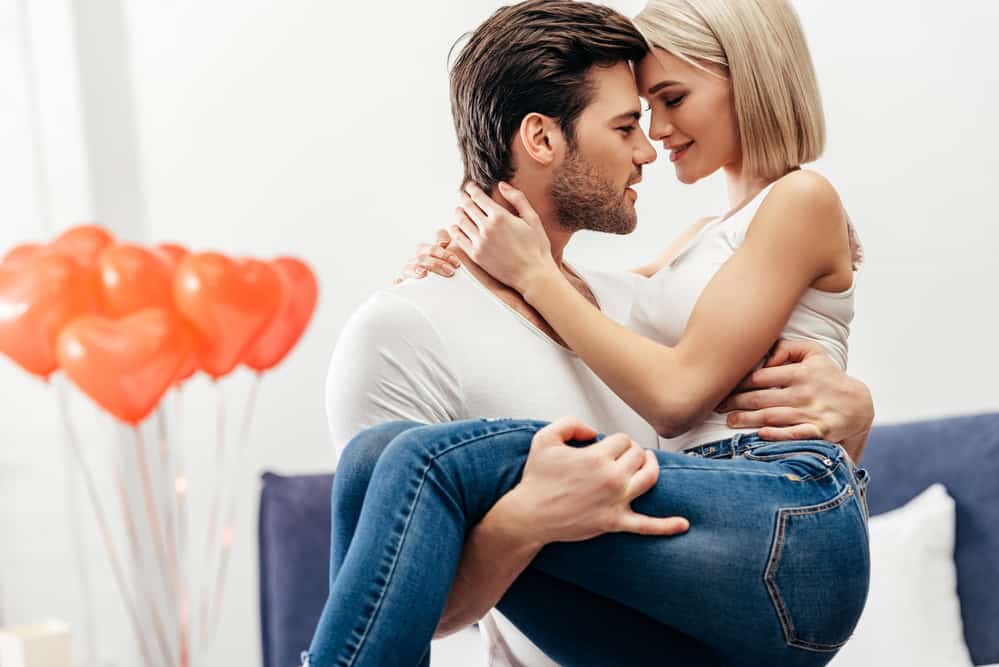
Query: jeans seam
<point x="769" y="574"/>
<point x="776" y="458"/>
<point x="356" y="652"/>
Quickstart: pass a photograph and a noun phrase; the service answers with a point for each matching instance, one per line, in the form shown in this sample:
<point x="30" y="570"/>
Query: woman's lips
<point x="680" y="151"/>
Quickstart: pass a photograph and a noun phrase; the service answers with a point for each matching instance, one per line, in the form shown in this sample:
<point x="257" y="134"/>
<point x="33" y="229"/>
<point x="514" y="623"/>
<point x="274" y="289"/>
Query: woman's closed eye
<point x="673" y="101"/>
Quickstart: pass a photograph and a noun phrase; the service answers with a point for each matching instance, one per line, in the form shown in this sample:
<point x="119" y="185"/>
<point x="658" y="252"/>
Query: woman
<point x="775" y="566"/>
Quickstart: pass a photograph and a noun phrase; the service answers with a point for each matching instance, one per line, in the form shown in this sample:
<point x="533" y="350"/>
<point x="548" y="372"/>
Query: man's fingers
<point x="632" y="459"/>
<point x="613" y="446"/>
<point x="756" y="400"/>
<point x="792" y="351"/>
<point x="767" y="378"/>
<point x="780" y="416"/>
<point x="797" y="432"/>
<point x="565" y="429"/>
<point x="632" y="522"/>
<point x="644" y="478"/>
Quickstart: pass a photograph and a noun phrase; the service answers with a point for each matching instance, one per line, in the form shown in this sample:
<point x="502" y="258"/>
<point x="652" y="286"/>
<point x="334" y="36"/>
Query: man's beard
<point x="585" y="199"/>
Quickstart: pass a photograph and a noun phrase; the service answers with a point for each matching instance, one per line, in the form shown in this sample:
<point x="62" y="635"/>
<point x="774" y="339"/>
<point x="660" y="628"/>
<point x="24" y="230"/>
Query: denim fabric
<point x="774" y="568"/>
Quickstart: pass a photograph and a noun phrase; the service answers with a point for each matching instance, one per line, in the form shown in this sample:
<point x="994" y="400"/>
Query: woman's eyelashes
<point x="668" y="102"/>
<point x="673" y="101"/>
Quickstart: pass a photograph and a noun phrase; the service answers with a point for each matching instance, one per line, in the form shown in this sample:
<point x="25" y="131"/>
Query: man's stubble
<point x="585" y="199"/>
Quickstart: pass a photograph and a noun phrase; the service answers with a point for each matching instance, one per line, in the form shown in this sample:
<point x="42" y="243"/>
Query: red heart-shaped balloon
<point x="84" y="243"/>
<point x="297" y="303"/>
<point x="37" y="299"/>
<point x="133" y="279"/>
<point x="125" y="365"/>
<point x="171" y="253"/>
<point x="228" y="303"/>
<point x="21" y="254"/>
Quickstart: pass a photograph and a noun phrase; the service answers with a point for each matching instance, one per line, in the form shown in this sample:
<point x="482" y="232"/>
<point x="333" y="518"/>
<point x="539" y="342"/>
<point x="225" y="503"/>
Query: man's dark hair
<point x="532" y="57"/>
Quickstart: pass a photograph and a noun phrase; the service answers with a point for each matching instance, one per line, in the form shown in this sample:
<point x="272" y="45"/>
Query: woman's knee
<point x="361" y="454"/>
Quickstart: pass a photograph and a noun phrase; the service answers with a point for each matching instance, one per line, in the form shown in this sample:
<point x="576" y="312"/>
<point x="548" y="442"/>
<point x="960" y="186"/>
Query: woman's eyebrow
<point x="662" y="84"/>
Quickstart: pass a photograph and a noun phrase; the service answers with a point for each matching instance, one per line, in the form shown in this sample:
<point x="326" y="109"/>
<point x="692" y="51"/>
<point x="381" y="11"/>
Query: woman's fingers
<point x="414" y="270"/>
<point x="443" y="238"/>
<point x="465" y="224"/>
<point x="519" y="201"/>
<point x="481" y="200"/>
<point x="474" y="211"/>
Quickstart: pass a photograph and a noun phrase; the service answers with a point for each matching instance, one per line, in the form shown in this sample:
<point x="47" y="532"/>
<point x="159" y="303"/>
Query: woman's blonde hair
<point x="760" y="43"/>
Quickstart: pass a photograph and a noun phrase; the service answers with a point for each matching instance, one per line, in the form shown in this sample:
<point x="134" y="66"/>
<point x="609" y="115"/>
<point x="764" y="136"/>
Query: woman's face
<point x="692" y="114"/>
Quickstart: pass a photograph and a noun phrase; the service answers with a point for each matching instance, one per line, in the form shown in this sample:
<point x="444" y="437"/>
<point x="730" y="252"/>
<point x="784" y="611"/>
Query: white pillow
<point x="912" y="616"/>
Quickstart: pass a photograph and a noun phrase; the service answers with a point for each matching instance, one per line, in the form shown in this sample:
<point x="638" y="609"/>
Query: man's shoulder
<point x="411" y="307"/>
<point x="613" y="290"/>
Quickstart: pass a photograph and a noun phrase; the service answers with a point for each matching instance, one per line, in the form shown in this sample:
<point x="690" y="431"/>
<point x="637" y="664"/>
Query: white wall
<point x="323" y="129"/>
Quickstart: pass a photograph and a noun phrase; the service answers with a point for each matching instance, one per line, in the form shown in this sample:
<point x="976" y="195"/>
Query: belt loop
<point x="734" y="444"/>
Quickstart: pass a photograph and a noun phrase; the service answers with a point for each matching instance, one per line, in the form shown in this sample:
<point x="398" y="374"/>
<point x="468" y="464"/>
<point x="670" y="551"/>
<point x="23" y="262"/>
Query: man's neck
<point x="558" y="238"/>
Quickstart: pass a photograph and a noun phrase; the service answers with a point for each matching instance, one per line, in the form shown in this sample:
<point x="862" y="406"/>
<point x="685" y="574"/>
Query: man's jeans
<point x="774" y="568"/>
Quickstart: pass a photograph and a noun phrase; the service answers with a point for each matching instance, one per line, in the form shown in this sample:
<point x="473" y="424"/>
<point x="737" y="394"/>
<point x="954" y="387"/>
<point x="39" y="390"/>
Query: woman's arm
<point x="435" y="258"/>
<point x="797" y="237"/>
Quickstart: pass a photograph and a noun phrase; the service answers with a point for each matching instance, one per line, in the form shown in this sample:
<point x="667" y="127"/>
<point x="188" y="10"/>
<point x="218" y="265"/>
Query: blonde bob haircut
<point x="761" y="45"/>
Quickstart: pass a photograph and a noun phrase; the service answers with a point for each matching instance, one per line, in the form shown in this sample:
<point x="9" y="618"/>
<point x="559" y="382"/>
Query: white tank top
<point x="664" y="303"/>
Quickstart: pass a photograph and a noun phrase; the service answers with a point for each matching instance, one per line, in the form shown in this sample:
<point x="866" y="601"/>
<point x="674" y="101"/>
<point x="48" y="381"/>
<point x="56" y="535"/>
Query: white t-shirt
<point x="445" y="349"/>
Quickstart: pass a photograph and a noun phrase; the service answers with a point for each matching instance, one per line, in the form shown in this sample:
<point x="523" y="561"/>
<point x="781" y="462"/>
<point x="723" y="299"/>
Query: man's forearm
<point x="495" y="554"/>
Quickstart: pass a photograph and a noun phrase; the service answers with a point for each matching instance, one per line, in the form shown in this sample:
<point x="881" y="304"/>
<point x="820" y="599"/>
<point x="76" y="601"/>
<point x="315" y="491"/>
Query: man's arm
<point x="390" y="364"/>
<point x="801" y="393"/>
<point x="566" y="494"/>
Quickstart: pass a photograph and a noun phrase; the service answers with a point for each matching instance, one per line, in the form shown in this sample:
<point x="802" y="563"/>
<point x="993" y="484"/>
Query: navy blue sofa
<point x="961" y="452"/>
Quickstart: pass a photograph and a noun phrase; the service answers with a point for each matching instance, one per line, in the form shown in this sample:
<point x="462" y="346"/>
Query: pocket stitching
<point x="773" y="458"/>
<point x="770" y="578"/>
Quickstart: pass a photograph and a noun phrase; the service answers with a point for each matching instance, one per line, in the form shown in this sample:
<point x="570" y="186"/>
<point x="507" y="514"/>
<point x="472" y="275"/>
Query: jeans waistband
<point x="727" y="448"/>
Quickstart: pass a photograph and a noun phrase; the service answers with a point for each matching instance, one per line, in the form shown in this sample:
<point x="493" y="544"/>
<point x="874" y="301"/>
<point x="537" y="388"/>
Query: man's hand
<point x="800" y="394"/>
<point x="571" y="493"/>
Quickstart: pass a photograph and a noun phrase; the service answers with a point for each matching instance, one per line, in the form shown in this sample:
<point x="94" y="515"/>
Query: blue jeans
<point x="774" y="568"/>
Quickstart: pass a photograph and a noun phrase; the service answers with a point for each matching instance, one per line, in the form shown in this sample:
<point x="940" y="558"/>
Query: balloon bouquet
<point x="126" y="324"/>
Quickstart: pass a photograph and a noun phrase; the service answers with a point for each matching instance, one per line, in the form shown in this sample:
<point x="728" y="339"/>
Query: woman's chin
<point x="686" y="177"/>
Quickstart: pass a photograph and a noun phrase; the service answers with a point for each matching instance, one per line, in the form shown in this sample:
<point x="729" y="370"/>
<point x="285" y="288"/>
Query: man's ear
<point x="541" y="138"/>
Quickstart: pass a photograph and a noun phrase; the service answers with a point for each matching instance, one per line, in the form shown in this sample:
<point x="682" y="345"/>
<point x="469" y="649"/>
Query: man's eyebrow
<point x="627" y="115"/>
<point x="662" y="84"/>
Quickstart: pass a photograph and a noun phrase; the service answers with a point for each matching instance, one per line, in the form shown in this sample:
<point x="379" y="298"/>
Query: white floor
<point x="462" y="649"/>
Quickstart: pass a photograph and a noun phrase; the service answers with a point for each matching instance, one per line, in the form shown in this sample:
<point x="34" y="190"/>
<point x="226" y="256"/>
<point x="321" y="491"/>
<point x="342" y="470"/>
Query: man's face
<point x="590" y="188"/>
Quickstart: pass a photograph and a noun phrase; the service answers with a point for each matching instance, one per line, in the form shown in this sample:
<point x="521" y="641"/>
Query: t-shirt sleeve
<point x="389" y="364"/>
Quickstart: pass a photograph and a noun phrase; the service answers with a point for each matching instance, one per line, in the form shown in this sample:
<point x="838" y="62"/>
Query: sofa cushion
<point x="294" y="534"/>
<point x="962" y="453"/>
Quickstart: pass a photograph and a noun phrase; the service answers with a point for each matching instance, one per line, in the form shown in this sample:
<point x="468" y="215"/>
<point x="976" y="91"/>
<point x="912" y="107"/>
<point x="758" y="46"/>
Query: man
<point x="537" y="100"/>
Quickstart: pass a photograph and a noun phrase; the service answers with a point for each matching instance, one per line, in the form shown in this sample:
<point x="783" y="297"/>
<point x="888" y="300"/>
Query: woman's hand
<point x="431" y="257"/>
<point x="512" y="249"/>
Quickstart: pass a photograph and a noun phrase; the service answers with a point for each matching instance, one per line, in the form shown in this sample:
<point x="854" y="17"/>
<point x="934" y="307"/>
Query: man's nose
<point x="646" y="152"/>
